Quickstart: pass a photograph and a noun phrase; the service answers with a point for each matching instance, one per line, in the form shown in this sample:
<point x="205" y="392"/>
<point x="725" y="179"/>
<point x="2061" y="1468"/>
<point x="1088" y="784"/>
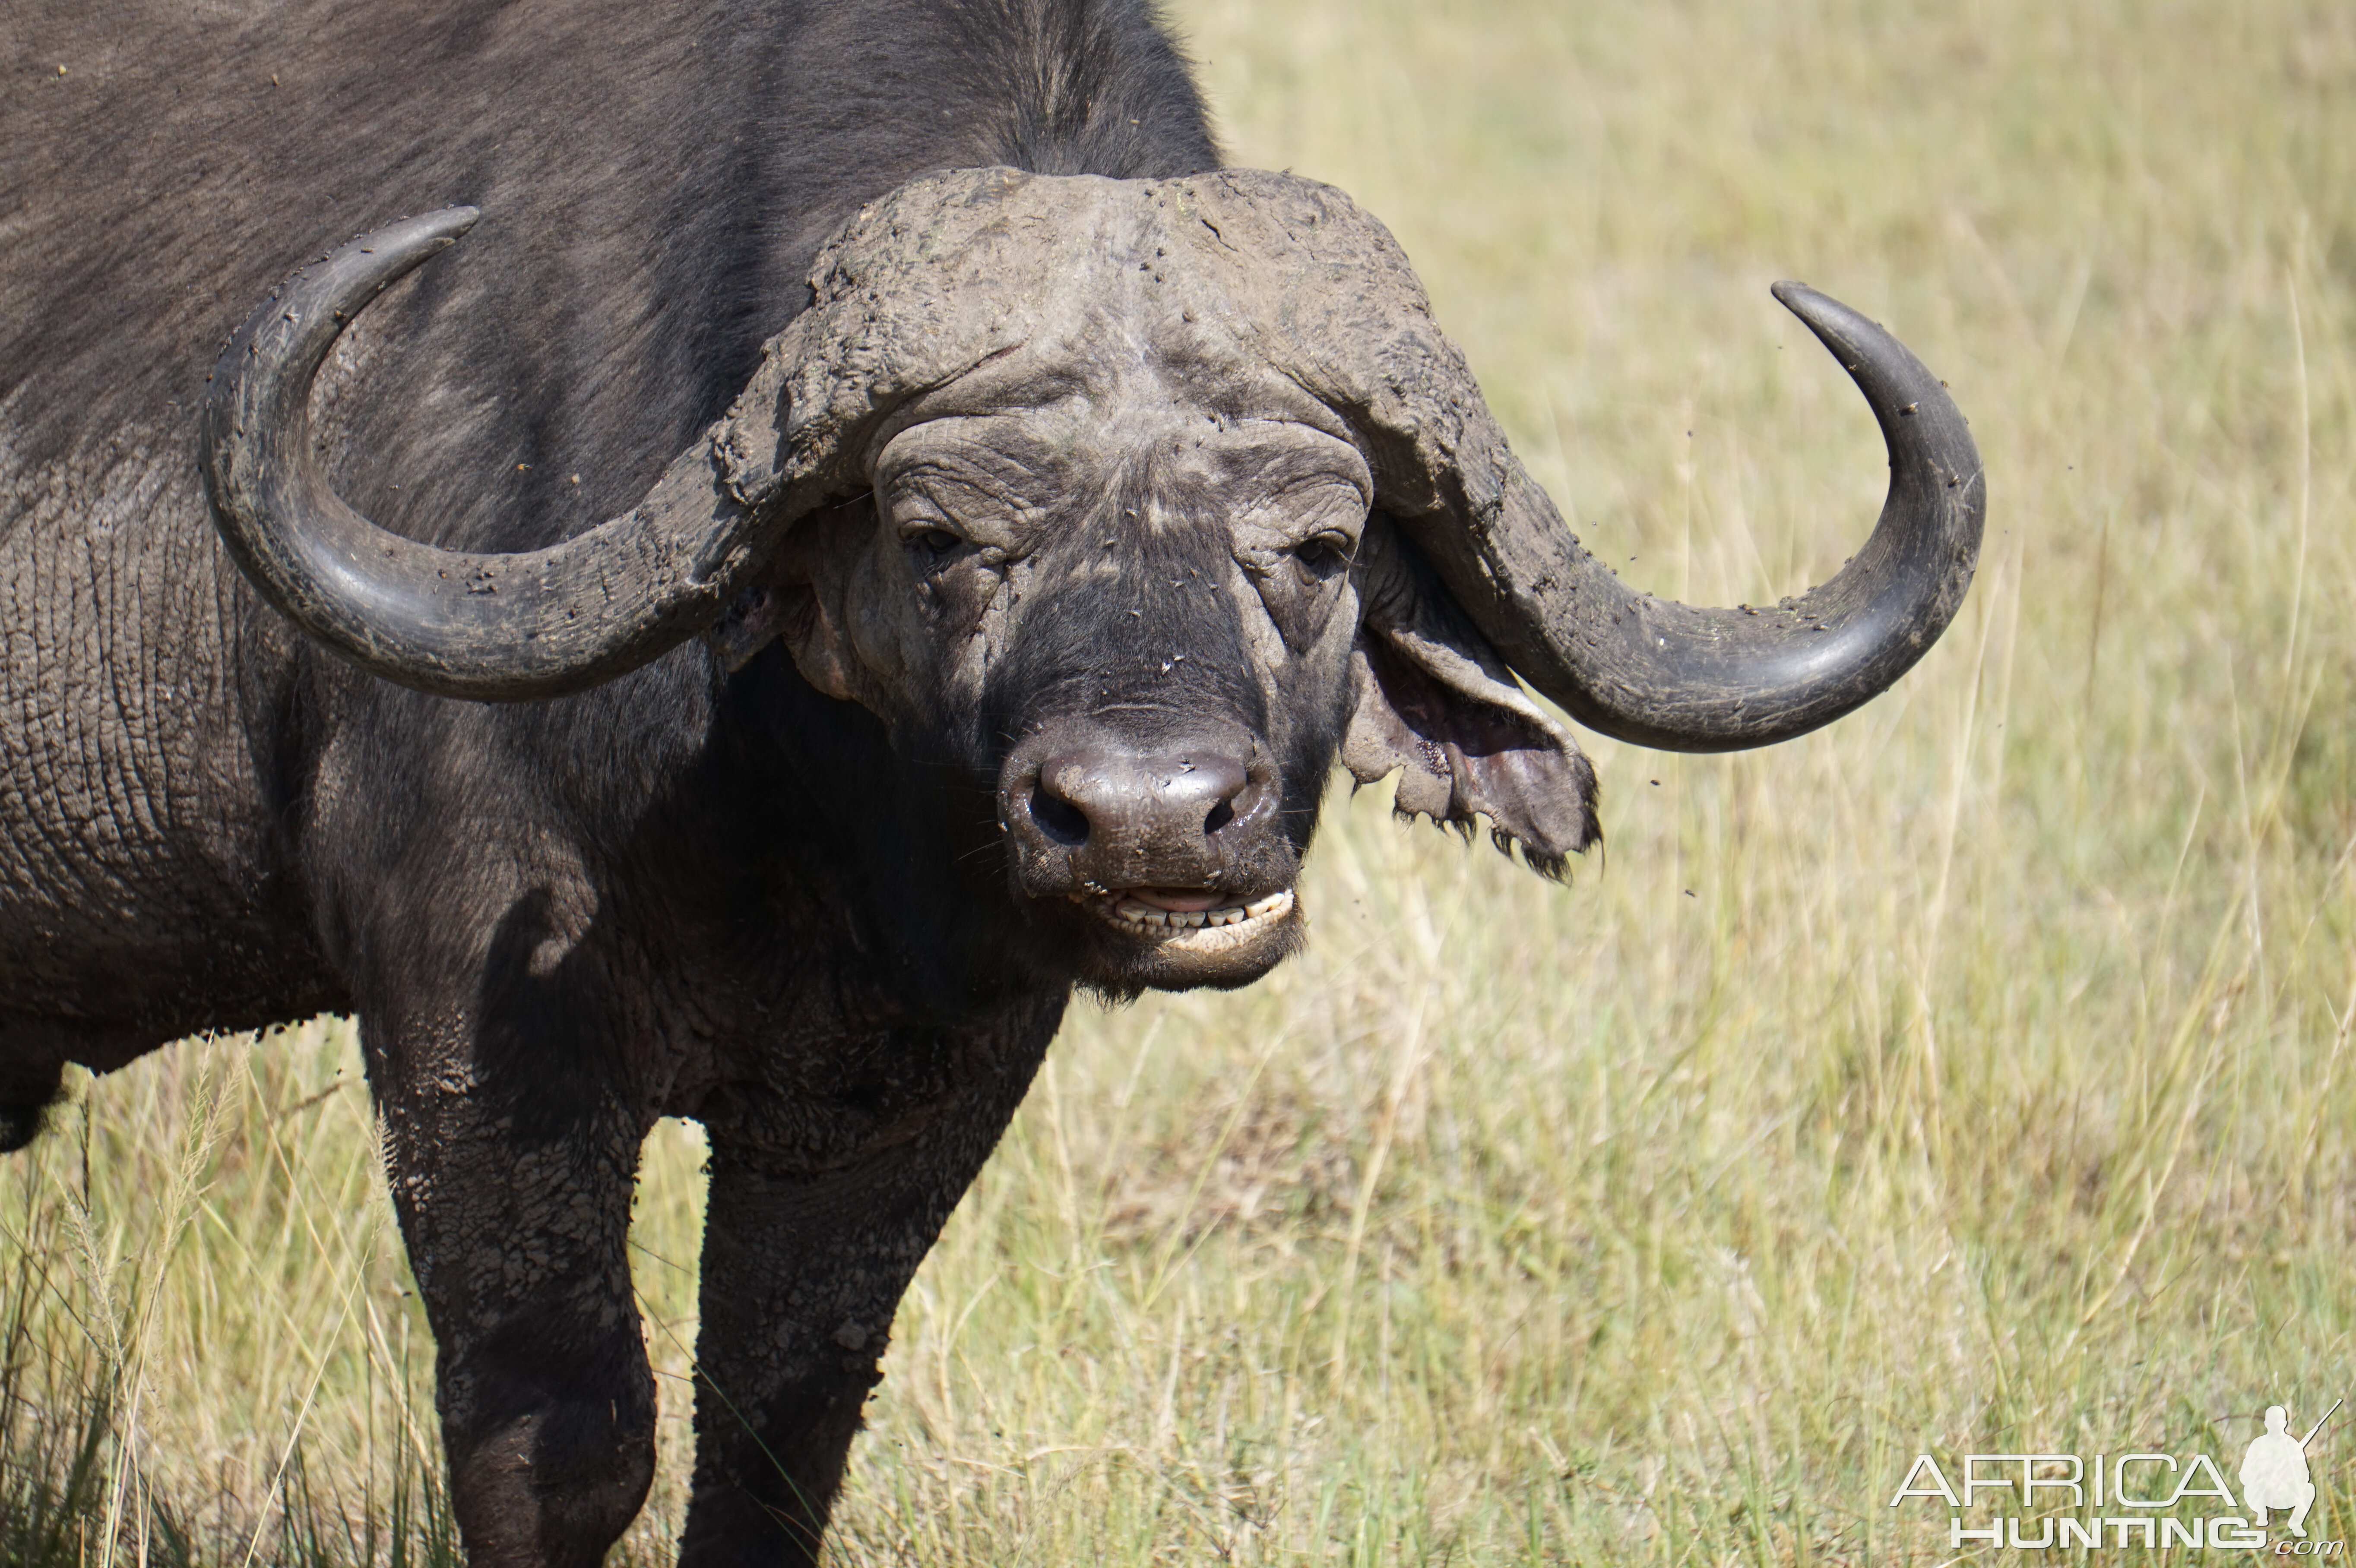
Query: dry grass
<point x="1970" y="1076"/>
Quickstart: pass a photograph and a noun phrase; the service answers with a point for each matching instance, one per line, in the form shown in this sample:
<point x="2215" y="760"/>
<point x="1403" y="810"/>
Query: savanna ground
<point x="1971" y="1077"/>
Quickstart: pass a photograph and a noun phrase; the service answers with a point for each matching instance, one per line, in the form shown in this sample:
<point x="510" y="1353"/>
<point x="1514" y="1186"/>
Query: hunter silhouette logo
<point x="2273" y="1472"/>
<point x="2129" y="1501"/>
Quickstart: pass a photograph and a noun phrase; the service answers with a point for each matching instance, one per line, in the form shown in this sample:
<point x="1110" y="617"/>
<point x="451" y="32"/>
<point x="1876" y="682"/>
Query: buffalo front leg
<point x="514" y="1198"/>
<point x="801" y="1275"/>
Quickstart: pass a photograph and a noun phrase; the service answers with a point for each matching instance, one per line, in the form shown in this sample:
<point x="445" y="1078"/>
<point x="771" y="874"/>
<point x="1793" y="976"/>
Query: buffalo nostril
<point x="1059" y="819"/>
<point x="1125" y="804"/>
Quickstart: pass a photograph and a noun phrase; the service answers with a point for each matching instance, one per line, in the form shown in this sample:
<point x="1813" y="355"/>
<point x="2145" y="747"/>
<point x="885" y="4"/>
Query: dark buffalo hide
<point x="1077" y="529"/>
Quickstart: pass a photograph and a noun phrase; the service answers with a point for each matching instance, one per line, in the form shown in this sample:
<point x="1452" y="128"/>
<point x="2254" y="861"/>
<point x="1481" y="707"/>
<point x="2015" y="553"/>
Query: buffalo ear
<point x="799" y="598"/>
<point x="796" y="614"/>
<point x="1435" y="703"/>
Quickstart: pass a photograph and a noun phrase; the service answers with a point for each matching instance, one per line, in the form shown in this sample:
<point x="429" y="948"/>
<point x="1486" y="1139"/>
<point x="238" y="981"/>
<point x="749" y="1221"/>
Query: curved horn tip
<point x="428" y="230"/>
<point x="452" y="220"/>
<point x="1820" y="311"/>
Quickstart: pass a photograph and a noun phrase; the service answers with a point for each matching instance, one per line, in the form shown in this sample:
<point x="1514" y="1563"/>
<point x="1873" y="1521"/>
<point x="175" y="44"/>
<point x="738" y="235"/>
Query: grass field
<point x="1970" y="1077"/>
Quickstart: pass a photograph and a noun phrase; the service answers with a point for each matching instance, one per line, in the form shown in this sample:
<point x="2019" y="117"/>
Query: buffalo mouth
<point x="1175" y="939"/>
<point x="1190" y="917"/>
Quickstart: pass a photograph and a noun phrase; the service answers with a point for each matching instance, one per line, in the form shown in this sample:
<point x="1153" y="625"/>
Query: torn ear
<point x="1436" y="704"/>
<point x="797" y="600"/>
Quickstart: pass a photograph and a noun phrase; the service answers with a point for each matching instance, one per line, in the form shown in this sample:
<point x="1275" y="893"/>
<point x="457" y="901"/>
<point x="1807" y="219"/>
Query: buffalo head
<point x="1137" y="504"/>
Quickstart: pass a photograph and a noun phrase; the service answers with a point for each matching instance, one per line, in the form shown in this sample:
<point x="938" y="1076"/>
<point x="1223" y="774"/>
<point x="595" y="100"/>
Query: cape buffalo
<point x="1013" y="517"/>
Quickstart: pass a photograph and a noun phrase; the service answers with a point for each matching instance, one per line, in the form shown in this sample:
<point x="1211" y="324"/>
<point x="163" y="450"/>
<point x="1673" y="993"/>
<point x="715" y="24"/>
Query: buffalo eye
<point x="930" y="544"/>
<point x="1324" y="556"/>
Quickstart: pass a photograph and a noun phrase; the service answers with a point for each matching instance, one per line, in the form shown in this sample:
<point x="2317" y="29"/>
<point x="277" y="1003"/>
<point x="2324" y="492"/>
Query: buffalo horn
<point x="1684" y="678"/>
<point x="532" y="625"/>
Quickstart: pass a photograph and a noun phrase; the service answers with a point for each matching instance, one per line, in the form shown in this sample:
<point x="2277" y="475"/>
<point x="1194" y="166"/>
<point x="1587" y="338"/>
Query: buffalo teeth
<point x="1137" y="913"/>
